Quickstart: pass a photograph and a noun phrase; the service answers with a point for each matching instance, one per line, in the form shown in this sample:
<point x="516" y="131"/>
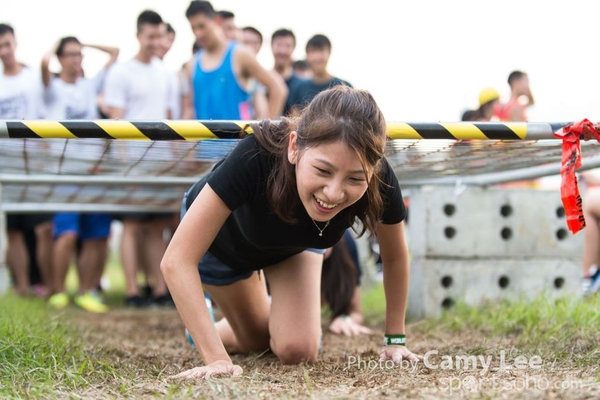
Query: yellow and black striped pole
<point x="199" y="130"/>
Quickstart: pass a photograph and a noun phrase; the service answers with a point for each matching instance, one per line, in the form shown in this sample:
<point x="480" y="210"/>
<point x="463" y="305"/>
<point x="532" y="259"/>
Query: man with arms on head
<point x="514" y="110"/>
<point x="70" y="95"/>
<point x="318" y="51"/>
<point x="220" y="72"/>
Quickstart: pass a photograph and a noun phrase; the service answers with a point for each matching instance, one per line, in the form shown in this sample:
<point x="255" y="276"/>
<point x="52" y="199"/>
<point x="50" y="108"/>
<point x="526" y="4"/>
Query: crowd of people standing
<point x="221" y="80"/>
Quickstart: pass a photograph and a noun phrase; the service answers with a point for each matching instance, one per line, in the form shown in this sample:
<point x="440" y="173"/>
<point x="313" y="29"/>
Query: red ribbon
<point x="571" y="161"/>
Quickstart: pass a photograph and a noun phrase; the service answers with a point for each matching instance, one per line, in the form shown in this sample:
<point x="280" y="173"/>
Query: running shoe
<point x="164" y="301"/>
<point x="138" y="301"/>
<point x="90" y="303"/>
<point x="594" y="280"/>
<point x="59" y="300"/>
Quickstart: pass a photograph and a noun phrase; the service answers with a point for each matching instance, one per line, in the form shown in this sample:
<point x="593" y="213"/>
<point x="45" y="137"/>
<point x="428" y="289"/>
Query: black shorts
<point x="26" y="222"/>
<point x="142" y="216"/>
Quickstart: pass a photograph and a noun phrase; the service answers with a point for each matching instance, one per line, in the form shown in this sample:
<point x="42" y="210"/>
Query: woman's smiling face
<point x="329" y="177"/>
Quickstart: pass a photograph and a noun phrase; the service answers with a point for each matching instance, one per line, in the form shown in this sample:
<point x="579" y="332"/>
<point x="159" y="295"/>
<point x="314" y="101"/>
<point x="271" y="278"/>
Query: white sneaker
<point x="591" y="285"/>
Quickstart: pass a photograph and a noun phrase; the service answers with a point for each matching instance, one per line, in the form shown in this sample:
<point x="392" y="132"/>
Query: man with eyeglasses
<point x="69" y="95"/>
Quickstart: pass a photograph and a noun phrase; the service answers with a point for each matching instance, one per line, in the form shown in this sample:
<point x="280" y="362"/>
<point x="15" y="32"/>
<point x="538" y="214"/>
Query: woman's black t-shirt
<point x="253" y="237"/>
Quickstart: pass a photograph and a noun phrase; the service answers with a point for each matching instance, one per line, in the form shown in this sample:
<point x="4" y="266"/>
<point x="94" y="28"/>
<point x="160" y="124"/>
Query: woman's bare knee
<point x="294" y="352"/>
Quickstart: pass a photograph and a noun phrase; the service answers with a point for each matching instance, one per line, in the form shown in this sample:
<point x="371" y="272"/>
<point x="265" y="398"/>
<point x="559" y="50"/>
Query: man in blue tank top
<point x="219" y="73"/>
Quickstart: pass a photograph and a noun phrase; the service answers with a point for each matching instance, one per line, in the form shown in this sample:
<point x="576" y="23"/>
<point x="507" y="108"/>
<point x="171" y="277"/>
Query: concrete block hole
<point x="449" y="209"/>
<point x="504" y="281"/>
<point x="559" y="282"/>
<point x="449" y="232"/>
<point x="561" y="234"/>
<point x="506" y="233"/>
<point x="506" y="210"/>
<point x="447" y="281"/>
<point x="447" y="303"/>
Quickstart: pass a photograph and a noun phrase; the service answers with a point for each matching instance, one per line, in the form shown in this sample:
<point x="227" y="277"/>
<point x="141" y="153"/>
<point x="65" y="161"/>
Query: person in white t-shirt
<point x="20" y="89"/>
<point x="140" y="89"/>
<point x="20" y="99"/>
<point x="69" y="95"/>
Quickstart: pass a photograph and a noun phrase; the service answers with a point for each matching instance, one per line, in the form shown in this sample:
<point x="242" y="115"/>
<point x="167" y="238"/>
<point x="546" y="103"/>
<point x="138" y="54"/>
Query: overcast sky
<point x="422" y="60"/>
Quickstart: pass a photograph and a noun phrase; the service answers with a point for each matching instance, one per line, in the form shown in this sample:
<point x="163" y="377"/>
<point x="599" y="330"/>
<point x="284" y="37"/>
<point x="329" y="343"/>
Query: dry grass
<point x="141" y="350"/>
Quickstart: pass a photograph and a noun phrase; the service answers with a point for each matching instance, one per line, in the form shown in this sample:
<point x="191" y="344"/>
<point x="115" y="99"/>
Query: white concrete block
<point x="480" y="222"/>
<point x="438" y="284"/>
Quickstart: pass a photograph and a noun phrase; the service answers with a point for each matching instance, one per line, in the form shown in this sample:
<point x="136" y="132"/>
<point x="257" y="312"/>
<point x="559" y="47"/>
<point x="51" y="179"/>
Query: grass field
<point x="541" y="349"/>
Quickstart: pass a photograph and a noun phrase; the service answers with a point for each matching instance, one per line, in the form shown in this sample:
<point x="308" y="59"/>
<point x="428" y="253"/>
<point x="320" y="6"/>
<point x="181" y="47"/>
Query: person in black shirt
<point x="282" y="196"/>
<point x="283" y="43"/>
<point x="318" y="51"/>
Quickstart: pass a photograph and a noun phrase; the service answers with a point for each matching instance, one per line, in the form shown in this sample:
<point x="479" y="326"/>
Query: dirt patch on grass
<point x="140" y="350"/>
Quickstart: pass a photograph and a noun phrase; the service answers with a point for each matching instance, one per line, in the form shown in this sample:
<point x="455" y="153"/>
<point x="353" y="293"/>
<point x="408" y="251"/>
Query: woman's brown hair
<point x="339" y="279"/>
<point x="340" y="113"/>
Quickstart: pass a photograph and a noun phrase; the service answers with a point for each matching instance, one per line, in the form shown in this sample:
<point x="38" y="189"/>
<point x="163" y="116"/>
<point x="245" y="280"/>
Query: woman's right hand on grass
<point x="344" y="325"/>
<point x="216" y="368"/>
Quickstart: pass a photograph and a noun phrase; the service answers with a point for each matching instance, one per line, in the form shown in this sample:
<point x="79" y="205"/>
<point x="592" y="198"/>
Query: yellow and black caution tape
<point x="199" y="130"/>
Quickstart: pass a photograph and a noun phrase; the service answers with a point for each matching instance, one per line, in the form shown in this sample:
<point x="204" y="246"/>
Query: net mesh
<point x="155" y="174"/>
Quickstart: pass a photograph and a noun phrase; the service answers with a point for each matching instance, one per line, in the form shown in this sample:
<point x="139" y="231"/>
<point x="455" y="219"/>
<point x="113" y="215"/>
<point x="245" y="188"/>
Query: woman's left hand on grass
<point x="216" y="368"/>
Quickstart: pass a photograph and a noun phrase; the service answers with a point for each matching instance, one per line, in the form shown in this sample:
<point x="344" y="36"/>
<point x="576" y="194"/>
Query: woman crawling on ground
<point x="282" y="196"/>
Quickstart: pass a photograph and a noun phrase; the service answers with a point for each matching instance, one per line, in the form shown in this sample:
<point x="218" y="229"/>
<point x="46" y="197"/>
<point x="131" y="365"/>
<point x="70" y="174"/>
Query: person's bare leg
<point x="245" y="309"/>
<point x="144" y="264"/>
<point x="100" y="259"/>
<point x="17" y="258"/>
<point x="64" y="248"/>
<point x="44" y="250"/>
<point x="91" y="264"/>
<point x="591" y="209"/>
<point x="154" y="248"/>
<point x="295" y="320"/>
<point x="130" y="254"/>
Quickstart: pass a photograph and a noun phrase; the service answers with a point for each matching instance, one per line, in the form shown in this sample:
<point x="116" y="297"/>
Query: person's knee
<point x="44" y="229"/>
<point x="14" y="235"/>
<point x="295" y="352"/>
<point x="67" y="236"/>
<point x="132" y="226"/>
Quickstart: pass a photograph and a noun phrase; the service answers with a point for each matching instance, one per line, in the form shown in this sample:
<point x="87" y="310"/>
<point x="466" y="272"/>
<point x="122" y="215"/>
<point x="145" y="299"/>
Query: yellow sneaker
<point x="90" y="303"/>
<point x="59" y="300"/>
